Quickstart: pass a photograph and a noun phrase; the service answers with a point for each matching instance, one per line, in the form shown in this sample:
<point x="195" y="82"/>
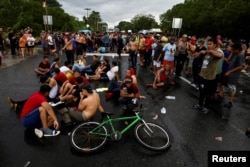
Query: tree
<point x="125" y="25"/>
<point x="142" y="21"/>
<point x="94" y="19"/>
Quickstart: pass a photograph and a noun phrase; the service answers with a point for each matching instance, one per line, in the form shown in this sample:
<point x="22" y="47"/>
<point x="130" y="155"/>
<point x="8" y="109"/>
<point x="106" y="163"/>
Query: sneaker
<point x="55" y="104"/>
<point x="11" y="102"/>
<point x="244" y="71"/>
<point x="228" y="105"/>
<point x="196" y="106"/>
<point x="38" y="132"/>
<point x="87" y="76"/>
<point x="50" y="133"/>
<point x="204" y="110"/>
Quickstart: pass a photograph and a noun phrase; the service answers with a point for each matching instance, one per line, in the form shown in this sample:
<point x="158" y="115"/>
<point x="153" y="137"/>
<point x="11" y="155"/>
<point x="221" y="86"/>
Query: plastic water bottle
<point x="170" y="97"/>
<point x="163" y="110"/>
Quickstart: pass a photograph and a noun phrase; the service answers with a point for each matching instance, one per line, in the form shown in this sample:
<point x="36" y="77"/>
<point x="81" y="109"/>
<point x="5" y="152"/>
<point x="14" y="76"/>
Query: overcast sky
<point x="114" y="11"/>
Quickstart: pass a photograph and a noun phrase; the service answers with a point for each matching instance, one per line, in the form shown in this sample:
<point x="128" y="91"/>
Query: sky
<point x="114" y="11"/>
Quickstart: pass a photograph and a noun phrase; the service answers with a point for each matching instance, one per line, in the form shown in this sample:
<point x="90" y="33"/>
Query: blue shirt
<point x="169" y="50"/>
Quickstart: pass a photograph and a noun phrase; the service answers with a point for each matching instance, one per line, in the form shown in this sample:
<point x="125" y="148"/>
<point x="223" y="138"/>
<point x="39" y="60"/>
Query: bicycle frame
<point x="109" y="121"/>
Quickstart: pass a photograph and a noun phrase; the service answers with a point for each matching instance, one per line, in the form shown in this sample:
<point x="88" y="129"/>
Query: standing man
<point x="120" y="45"/>
<point x="208" y="75"/>
<point x="182" y="54"/>
<point x="141" y="47"/>
<point x="133" y="48"/>
<point x="148" y="50"/>
<point x="169" y="49"/>
<point x="12" y="39"/>
<point x="234" y="70"/>
<point x="38" y="114"/>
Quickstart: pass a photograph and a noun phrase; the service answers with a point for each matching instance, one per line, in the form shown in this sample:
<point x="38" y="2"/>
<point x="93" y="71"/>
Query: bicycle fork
<point x="147" y="130"/>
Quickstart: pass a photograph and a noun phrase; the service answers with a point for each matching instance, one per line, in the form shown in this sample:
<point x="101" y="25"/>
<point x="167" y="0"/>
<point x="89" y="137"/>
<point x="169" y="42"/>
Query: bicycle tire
<point x="85" y="142"/>
<point x="157" y="140"/>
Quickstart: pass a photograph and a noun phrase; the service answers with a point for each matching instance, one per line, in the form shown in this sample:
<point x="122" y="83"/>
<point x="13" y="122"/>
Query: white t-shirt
<point x="31" y="41"/>
<point x="64" y="69"/>
<point x="111" y="72"/>
<point x="50" y="40"/>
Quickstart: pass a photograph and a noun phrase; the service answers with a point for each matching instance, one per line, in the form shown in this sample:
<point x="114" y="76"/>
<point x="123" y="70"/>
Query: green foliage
<point x="140" y="22"/>
<point x="211" y="17"/>
<point x="20" y="14"/>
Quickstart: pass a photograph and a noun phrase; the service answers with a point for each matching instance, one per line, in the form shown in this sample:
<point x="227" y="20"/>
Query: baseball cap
<point x="184" y="36"/>
<point x="87" y="87"/>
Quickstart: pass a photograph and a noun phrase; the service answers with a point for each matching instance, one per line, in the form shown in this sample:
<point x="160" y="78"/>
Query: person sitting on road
<point x="68" y="85"/>
<point x="80" y="64"/>
<point x="66" y="69"/>
<point x="128" y="91"/>
<point x="37" y="113"/>
<point x="54" y="65"/>
<point x="111" y="74"/>
<point x="60" y="77"/>
<point x="43" y="67"/>
<point x="88" y="104"/>
<point x="52" y="83"/>
<point x="90" y="70"/>
<point x="162" y="78"/>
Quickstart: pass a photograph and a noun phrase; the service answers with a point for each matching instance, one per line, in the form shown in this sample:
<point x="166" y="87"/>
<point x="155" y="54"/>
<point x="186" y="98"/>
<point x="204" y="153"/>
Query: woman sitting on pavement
<point x="162" y="77"/>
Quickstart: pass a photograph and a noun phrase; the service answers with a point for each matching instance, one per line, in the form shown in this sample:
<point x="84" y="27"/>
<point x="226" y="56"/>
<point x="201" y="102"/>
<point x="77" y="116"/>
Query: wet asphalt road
<point x="193" y="134"/>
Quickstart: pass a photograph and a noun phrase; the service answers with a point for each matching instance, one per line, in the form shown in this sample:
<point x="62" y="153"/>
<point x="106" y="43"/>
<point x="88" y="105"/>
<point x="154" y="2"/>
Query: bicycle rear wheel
<point x="152" y="136"/>
<point x="88" y="137"/>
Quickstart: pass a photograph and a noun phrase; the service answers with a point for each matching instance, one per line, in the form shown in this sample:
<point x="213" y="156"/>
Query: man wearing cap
<point x="37" y="113"/>
<point x="88" y="105"/>
<point x="128" y="91"/>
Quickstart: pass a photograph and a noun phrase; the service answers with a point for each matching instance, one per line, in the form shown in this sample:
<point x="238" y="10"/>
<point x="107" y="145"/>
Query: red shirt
<point x="33" y="102"/>
<point x="43" y="65"/>
<point x="60" y="78"/>
<point x="72" y="80"/>
<point x="148" y="43"/>
<point x="131" y="89"/>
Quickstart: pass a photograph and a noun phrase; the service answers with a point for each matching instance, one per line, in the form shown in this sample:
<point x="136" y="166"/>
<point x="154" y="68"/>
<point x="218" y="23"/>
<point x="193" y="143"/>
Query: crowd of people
<point x="211" y="63"/>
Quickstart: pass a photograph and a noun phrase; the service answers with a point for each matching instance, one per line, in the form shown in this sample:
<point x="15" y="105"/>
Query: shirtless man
<point x="81" y="44"/>
<point x="141" y="48"/>
<point x="133" y="48"/>
<point x="88" y="105"/>
<point x="68" y="48"/>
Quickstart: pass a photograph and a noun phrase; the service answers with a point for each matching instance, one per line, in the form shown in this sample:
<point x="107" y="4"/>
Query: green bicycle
<point x="91" y="136"/>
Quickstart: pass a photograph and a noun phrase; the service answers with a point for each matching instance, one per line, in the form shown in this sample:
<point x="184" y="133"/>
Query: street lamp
<point x="86" y="20"/>
<point x="87" y="9"/>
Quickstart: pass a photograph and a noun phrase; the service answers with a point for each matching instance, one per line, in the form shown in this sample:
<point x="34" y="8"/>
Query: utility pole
<point x="44" y="3"/>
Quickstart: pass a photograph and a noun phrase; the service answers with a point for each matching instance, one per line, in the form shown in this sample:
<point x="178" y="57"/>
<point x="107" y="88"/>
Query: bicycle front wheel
<point x="88" y="137"/>
<point x="152" y="136"/>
